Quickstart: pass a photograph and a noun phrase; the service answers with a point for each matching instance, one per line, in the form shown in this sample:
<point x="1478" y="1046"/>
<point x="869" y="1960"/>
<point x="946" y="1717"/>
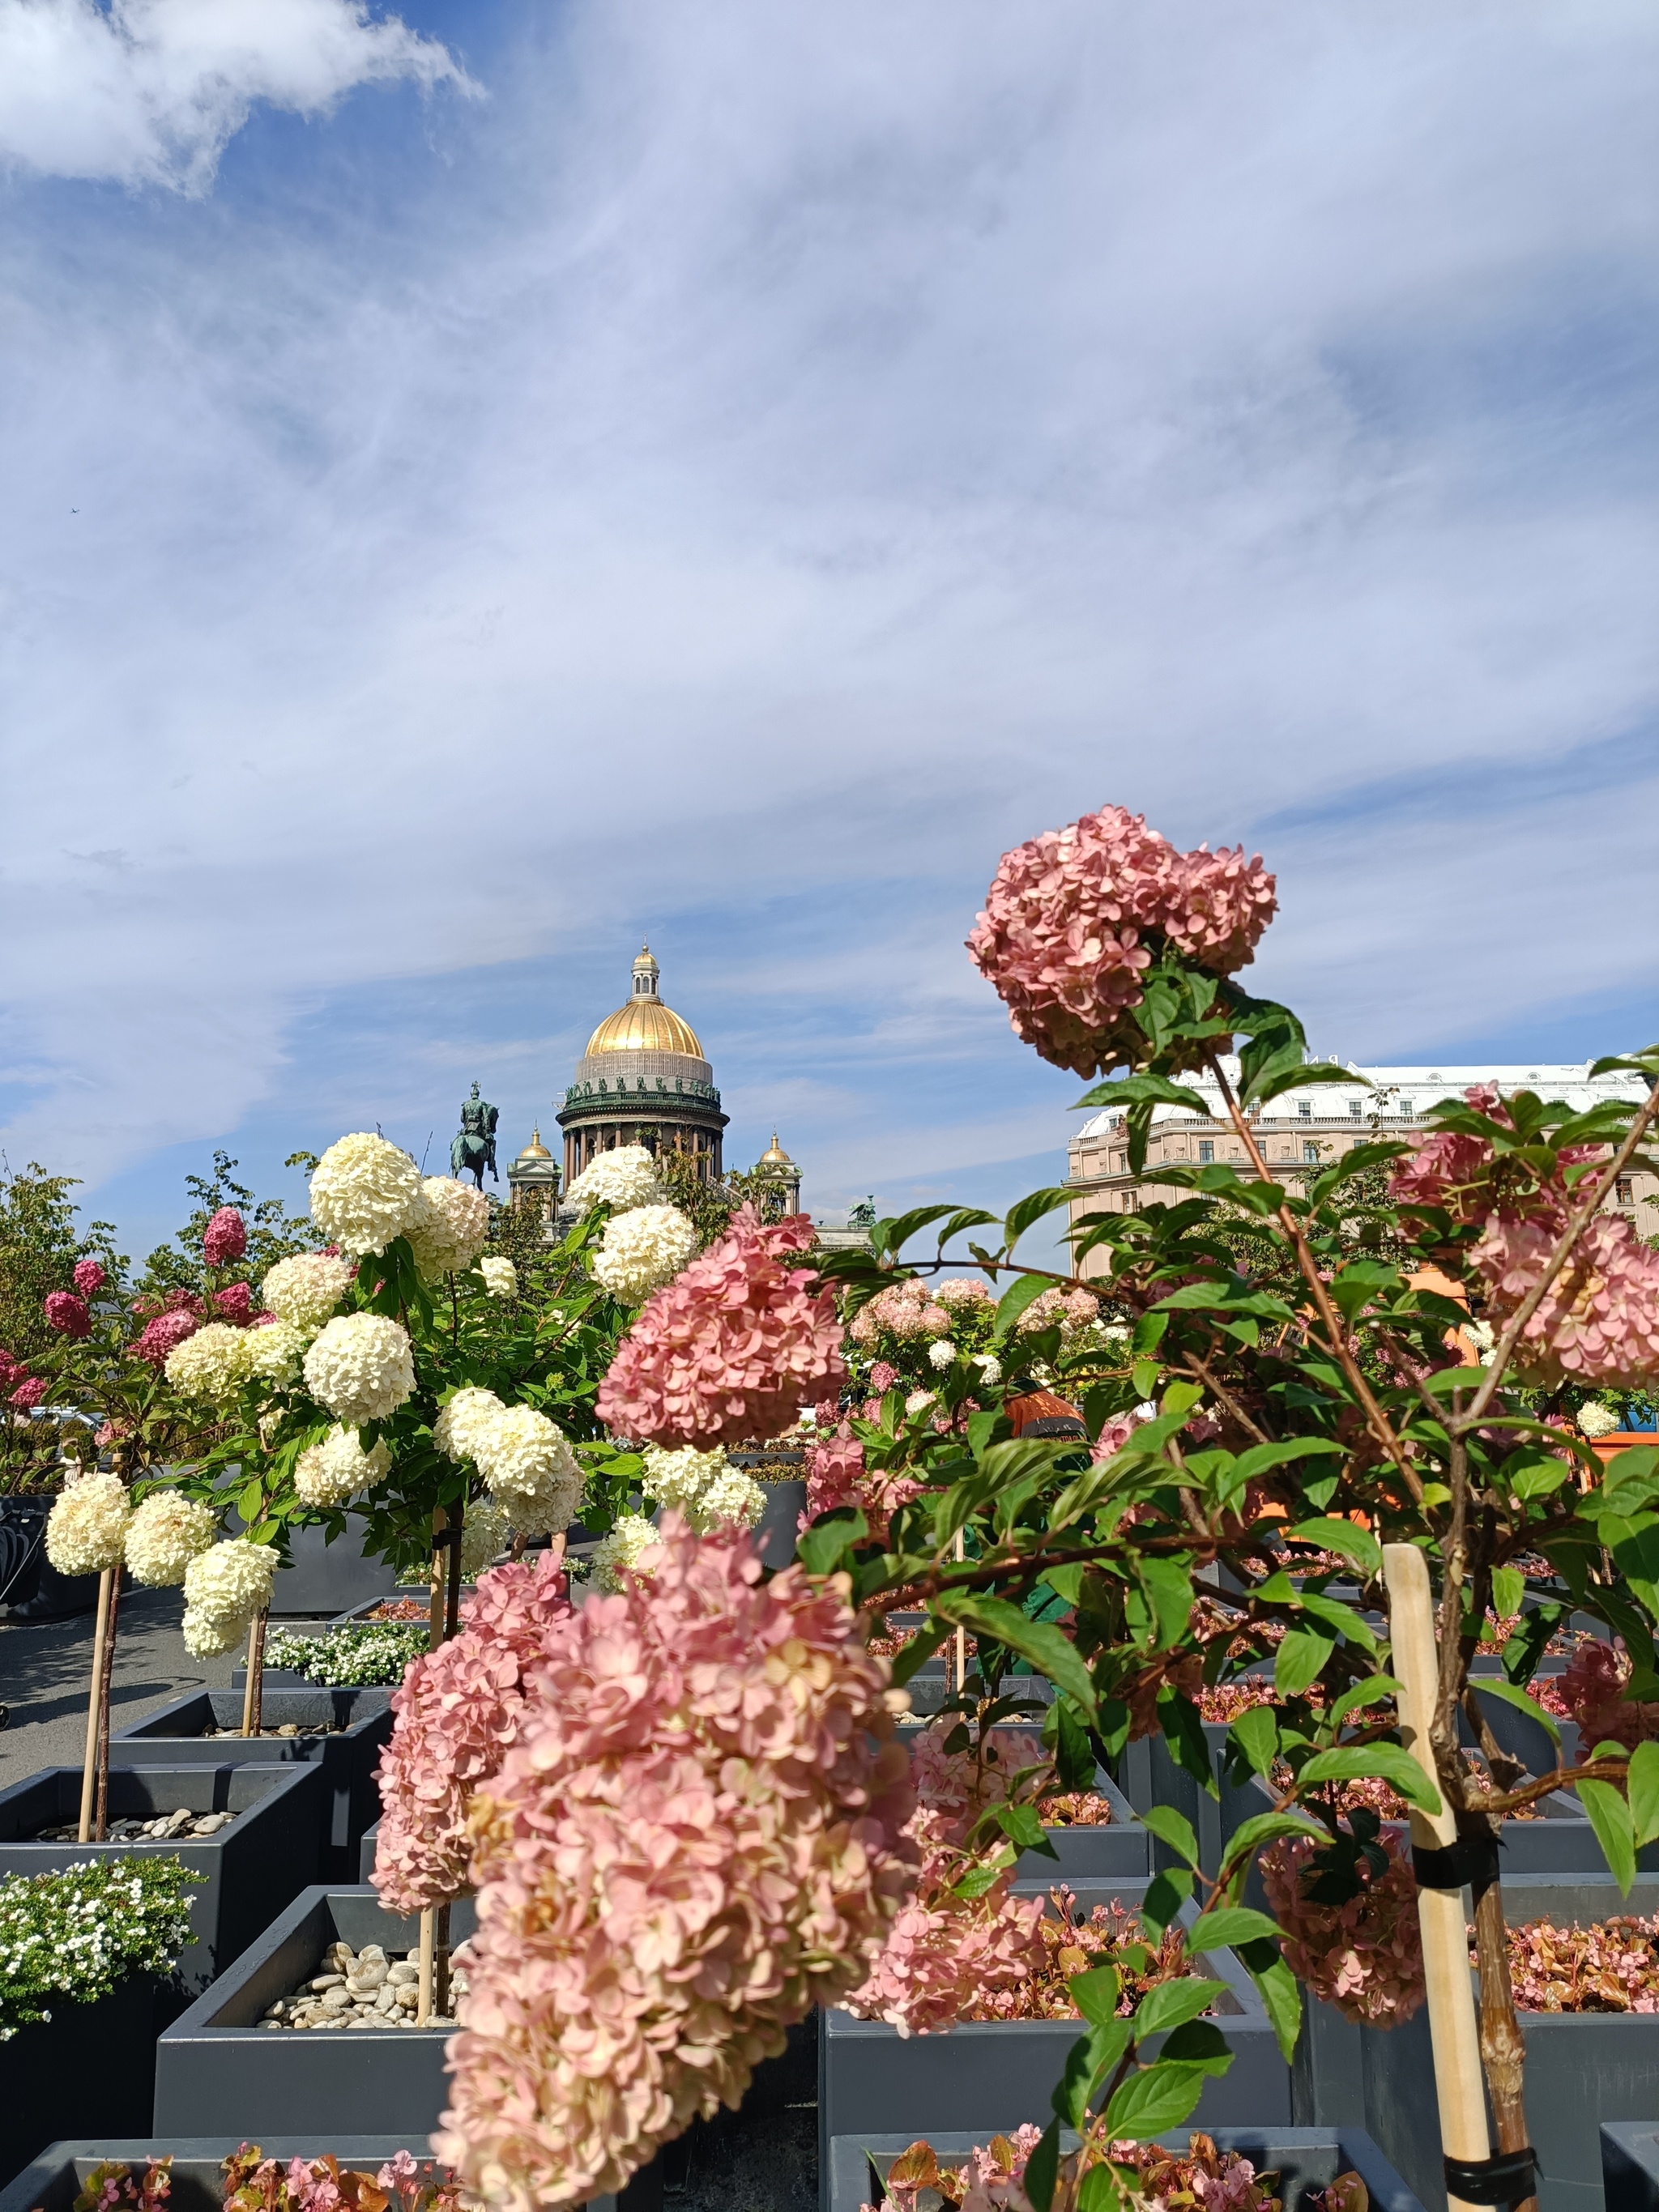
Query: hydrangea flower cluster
<point x="642" y="1250"/>
<point x="485" y="1535"/>
<point x="693" y="1841"/>
<point x="276" y="1349"/>
<point x="501" y="1277"/>
<point x="1072" y="917"/>
<point x="906" y="1310"/>
<point x="86" y="1527"/>
<point x="225" y="1237"/>
<point x="945" y="1953"/>
<point x="224" y="1587"/>
<point x="531" y="1473"/>
<point x="69" y="1314"/>
<point x="88" y="1278"/>
<point x="630" y="1548"/>
<point x="703" y="1488"/>
<point x="464" y="1421"/>
<point x="447" y="1232"/>
<point x="1592" y="1692"/>
<point x="734" y="1348"/>
<point x="306" y="1289"/>
<point x="161" y="1336"/>
<point x="362" y="1367"/>
<point x="1074" y="1310"/>
<point x="458" y="1710"/>
<point x="213" y="1362"/>
<point x="1365" y="1957"/>
<point x="364" y="1191"/>
<point x="332" y="1472"/>
<point x="989" y="2182"/>
<point x="1599" y="1321"/>
<point x="166" y="1532"/>
<point x="836" y="1475"/>
<point x="624" y="1177"/>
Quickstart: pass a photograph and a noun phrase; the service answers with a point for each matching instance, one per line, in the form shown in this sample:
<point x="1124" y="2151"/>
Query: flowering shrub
<point x="623" y="1178"/>
<point x="306" y="1289"/>
<point x="333" y="1472"/>
<point x="256" y="2183"/>
<point x="501" y="1277"/>
<point x="465" y="1422"/>
<point x="88" y="1278"/>
<point x="86" y="1527"/>
<point x="732" y="1348"/>
<point x="225" y="1237"/>
<point x="364" y="1191"/>
<point x="1592" y="1693"/>
<point x="70" y="1937"/>
<point x="533" y="1473"/>
<point x="213" y="1362"/>
<point x="630" y="1548"/>
<point x="360" y="1367"/>
<point x="642" y="1250"/>
<point x="1363" y="1955"/>
<point x="1613" y="1966"/>
<point x="276" y="1349"/>
<point x="1217" y="2180"/>
<point x="693" y="1841"/>
<point x="70" y="1314"/>
<point x="449" y="1231"/>
<point x="224" y="1587"/>
<point x="167" y="1530"/>
<point x="161" y="1336"/>
<point x="457" y="1712"/>
<point x="354" y="1656"/>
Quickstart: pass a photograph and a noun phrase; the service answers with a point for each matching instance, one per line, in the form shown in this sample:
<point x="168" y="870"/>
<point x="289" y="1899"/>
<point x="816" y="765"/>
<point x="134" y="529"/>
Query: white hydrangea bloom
<point x="164" y="1535"/>
<point x="624" y="1177"/>
<point x="485" y="1533"/>
<point x="274" y="1352"/>
<point x="941" y="1353"/>
<point x="306" y="1289"/>
<point x="364" y="1191"/>
<point x="213" y="1364"/>
<point x="464" y="1423"/>
<point x="362" y="1367"/>
<point x="224" y="1587"/>
<point x="530" y="1470"/>
<point x="703" y="1486"/>
<point x="87" y="1529"/>
<point x="642" y="1250"/>
<point x="450" y="1230"/>
<point x="501" y="1277"/>
<point x="334" y="1471"/>
<point x="919" y="1400"/>
<point x="990" y="1369"/>
<point x="1596" y="1420"/>
<point x="632" y="1536"/>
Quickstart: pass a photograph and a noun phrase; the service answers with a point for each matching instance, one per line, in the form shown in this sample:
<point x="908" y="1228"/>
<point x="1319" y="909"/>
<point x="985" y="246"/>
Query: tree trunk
<point x="253" y="1691"/>
<point x="105" y="1676"/>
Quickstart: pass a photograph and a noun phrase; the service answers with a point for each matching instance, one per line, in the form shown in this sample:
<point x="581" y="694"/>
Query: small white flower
<point x="274" y="1352"/>
<point x="330" y="1473"/>
<point x="224" y="1587"/>
<point x="364" y="1191"/>
<point x="990" y="1369"/>
<point x="642" y="1250"/>
<point x="919" y="1400"/>
<point x="501" y="1277"/>
<point x="531" y="1473"/>
<point x="624" y="1177"/>
<point x="703" y="1486"/>
<point x="485" y="1533"/>
<point x="941" y="1353"/>
<point x="632" y="1536"/>
<point x="166" y="1532"/>
<point x="1596" y="1420"/>
<point x="362" y="1367"/>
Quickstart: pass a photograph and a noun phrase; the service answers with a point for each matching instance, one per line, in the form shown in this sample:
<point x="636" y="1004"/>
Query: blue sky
<point x="485" y="484"/>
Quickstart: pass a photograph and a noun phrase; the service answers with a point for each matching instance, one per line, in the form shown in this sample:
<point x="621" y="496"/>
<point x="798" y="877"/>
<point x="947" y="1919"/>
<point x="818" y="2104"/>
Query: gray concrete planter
<point x="323" y="1579"/>
<point x="368" y="1843"/>
<point x="216" y="2067"/>
<point x="1305" y="2159"/>
<point x="55" y="2179"/>
<point x="1582" y="2068"/>
<point x="240" y="1877"/>
<point x="997" y="2073"/>
<point x="31" y="1588"/>
<point x="775" y="1530"/>
<point x="1120" y="1851"/>
<point x="349" y="1759"/>
<point x="1629" y="2165"/>
<point x="89" y="2065"/>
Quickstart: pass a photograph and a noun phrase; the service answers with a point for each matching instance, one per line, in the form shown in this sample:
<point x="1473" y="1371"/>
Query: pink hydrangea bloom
<point x="68" y="1314"/>
<point x="694" y="1840"/>
<point x="29" y="1392"/>
<point x="458" y="1710"/>
<point x="234" y="1304"/>
<point x="90" y="1278"/>
<point x="964" y="1294"/>
<point x="1598" y="1319"/>
<point x="1365" y="1957"/>
<point x="225" y="1238"/>
<point x="1063" y="934"/>
<point x="734" y="1348"/>
<point x="160" y="1336"/>
<point x="836" y="1475"/>
<point x="882" y="1376"/>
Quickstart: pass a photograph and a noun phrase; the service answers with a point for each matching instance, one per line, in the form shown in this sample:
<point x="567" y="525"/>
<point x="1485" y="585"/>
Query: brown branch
<point x="1220" y="1392"/>
<point x="1504" y="1351"/>
<point x="1524" y="1793"/>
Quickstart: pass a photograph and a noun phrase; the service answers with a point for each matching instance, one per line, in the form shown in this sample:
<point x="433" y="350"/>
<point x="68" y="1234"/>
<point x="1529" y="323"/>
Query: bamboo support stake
<point x="429" y="1960"/>
<point x="1459" y="2088"/>
<point x="253" y="1689"/>
<point x="100" y="1638"/>
<point x="101" y="1808"/>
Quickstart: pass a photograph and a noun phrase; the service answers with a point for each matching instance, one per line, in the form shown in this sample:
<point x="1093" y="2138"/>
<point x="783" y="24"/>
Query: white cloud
<point x="150" y="92"/>
<point x="778" y="450"/>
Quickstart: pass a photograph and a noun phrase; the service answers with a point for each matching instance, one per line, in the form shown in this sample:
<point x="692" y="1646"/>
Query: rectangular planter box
<point x="996" y="2073"/>
<point x="215" y="2066"/>
<point x="368" y="1843"/>
<point x="1305" y="2159"/>
<point x="242" y="1876"/>
<point x="1629" y="2165"/>
<point x="89" y="2065"/>
<point x="1120" y="1851"/>
<point x="55" y="2179"/>
<point x="1582" y="2068"/>
<point x="178" y="1735"/>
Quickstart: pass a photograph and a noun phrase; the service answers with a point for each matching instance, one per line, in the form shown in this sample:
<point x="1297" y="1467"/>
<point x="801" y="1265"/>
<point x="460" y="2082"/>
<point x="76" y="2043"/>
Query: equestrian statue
<point x="474" y="1148"/>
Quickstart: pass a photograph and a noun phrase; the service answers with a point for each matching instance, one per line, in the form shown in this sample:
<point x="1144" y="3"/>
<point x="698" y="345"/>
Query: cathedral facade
<point x="644" y="1080"/>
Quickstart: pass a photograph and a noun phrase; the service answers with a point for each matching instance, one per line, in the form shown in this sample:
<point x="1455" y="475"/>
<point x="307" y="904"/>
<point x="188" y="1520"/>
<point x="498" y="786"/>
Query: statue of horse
<point x="474" y="1148"/>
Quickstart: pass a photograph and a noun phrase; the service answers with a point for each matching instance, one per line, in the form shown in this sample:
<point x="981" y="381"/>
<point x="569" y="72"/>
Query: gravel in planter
<point x="56" y="2179"/>
<point x="241" y="1876"/>
<point x="369" y="1988"/>
<point x="995" y="2073"/>
<point x="1582" y="2068"/>
<point x="181" y="1827"/>
<point x="219" y="2064"/>
<point x="343" y="1731"/>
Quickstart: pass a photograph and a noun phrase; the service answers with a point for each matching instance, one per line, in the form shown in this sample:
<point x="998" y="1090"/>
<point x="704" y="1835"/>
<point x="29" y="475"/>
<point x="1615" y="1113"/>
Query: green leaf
<point x="1013" y="1302"/>
<point x="1042" y="2169"/>
<point x="1143" y="1091"/>
<point x="1166" y="1892"/>
<point x="1198" y="2043"/>
<point x="1293" y="1076"/>
<point x="1508" y="1587"/>
<point x="824" y="1548"/>
<point x="1256" y="1734"/>
<point x="1276" y="1985"/>
<point x="1227" y="1926"/>
<point x="1631" y="1479"/>
<point x="1610" y="1817"/>
<point x="1158" y="2097"/>
<point x="1364" y="1695"/>
<point x="1355" y="1762"/>
<point x="1169" y="1587"/>
<point x="1051" y="1653"/>
<point x="1510" y="1695"/>
<point x="1643" y="1784"/>
<point x="916" y="1654"/>
<point x="1265" y="1828"/>
<point x="1031" y="1209"/>
<point x="1345" y="1538"/>
<point x="979" y="1879"/>
<point x="1021" y="1826"/>
<point x="1174" y="1829"/>
<point x="897" y="1232"/>
<point x="1300" y="1657"/>
<point x="1095" y="1994"/>
<point x="1260" y="1457"/>
<point x="1172" y="2004"/>
<point x="1183" y="1731"/>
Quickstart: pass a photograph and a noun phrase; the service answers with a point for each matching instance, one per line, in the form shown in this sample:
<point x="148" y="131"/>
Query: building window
<point x="1305" y="1108"/>
<point x="1624" y="1191"/>
<point x="1310" y="1148"/>
<point x="1206" y="1148"/>
<point x="1131" y="1203"/>
<point x="1356" y="1107"/>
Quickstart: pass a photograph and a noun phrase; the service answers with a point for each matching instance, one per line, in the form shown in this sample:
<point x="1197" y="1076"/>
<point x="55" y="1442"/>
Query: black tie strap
<point x="1472" y="1860"/>
<point x="1510" y="2178"/>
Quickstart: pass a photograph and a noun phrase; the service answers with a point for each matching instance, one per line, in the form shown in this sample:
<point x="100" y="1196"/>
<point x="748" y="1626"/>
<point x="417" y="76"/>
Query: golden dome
<point x="535" y="1150"/>
<point x="774" y="1156"/>
<point x="645" y="1025"/>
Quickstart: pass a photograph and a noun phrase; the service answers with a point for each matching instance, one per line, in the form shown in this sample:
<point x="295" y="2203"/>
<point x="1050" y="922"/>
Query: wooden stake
<point x="439" y="1580"/>
<point x="101" y="1635"/>
<point x="253" y="1690"/>
<point x="1459" y="2086"/>
<point x="446" y="1565"/>
<point x="100" y="1811"/>
<point x="429" y="1959"/>
<point x="961" y="1633"/>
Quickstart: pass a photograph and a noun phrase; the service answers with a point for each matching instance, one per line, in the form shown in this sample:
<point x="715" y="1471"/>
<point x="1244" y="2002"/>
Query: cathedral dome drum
<point x="643" y="1080"/>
